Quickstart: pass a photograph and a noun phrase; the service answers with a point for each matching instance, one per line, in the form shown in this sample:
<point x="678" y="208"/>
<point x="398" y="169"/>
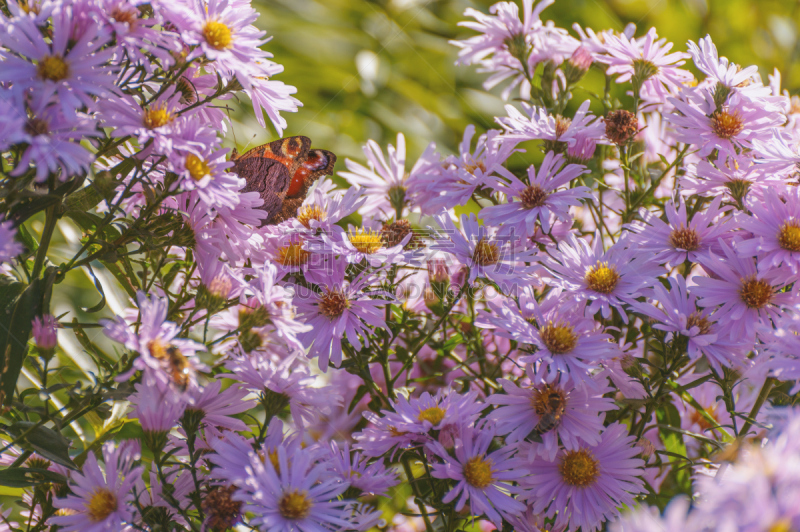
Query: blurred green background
<point x="370" y="69"/>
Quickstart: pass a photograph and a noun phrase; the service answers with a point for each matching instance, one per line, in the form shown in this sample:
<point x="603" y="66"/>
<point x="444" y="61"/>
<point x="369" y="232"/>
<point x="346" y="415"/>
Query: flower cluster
<point x="443" y="341"/>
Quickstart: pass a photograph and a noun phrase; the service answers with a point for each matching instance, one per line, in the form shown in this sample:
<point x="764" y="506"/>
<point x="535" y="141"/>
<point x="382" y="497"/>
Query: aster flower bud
<point x="621" y="126"/>
<point x="578" y="64"/>
<point x="631" y="366"/>
<point x="647" y="448"/>
<point x="44" y="332"/>
<point x="214" y="296"/>
<point x="433" y="301"/>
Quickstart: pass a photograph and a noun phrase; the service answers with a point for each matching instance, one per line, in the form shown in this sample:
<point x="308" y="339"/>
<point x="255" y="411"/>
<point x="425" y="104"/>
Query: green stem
<point x="762" y="398"/>
<point x="44" y="243"/>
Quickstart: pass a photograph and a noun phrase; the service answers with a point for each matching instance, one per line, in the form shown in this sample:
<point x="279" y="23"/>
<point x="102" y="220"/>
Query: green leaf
<point x="667" y="414"/>
<point x="16" y="321"/>
<point x="22" y="477"/>
<point x="44" y="441"/>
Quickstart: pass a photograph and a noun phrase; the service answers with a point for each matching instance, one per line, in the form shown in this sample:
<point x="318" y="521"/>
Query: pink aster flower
<point x="679" y="239"/>
<point x="340" y="310"/>
<point x="728" y="127"/>
<point x="778" y="153"/>
<point x="270" y="96"/>
<point x="604" y="279"/>
<point x="168" y="362"/>
<point x="72" y="72"/>
<point x="437" y="185"/>
<point x="155" y="412"/>
<point x="553" y="407"/>
<point x="744" y="295"/>
<point x="324" y="207"/>
<point x="543" y="198"/>
<point x="216" y="407"/>
<point x="358" y="245"/>
<point x="383" y="182"/>
<point x="586" y="486"/>
<point x="647" y="63"/>
<point x="558" y="132"/>
<point x="483" y="478"/>
<point x="775" y="229"/>
<point x="99" y="501"/>
<point x="487" y="252"/>
<point x="678" y="315"/>
<point x="294" y="494"/>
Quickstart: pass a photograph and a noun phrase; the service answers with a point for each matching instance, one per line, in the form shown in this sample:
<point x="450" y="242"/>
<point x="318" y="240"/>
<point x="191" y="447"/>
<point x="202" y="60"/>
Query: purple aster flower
<point x="728" y="127"/>
<point x="488" y="252"/>
<point x="556" y="410"/>
<point x="542" y="198"/>
<point x="294" y="496"/>
<point x="562" y="339"/>
<point x="648" y="519"/>
<point x="9" y="248"/>
<point x="719" y="70"/>
<point x="736" y="177"/>
<point x="605" y="279"/>
<point x="778" y="153"/>
<point x="270" y="96"/>
<point x="284" y="385"/>
<point x="365" y="245"/>
<point x="158" y="121"/>
<point x="437" y="185"/>
<point x="72" y="72"/>
<point x="324" y="207"/>
<point x="679" y="239"/>
<point x="413" y="419"/>
<point x="101" y="502"/>
<point x="347" y="466"/>
<point x="52" y="140"/>
<point x="775" y="229"/>
<point x="222" y="31"/>
<point x="384" y="182"/>
<point x="216" y="408"/>
<point x="339" y="309"/>
<point x="232" y="455"/>
<point x="156" y="413"/>
<point x="678" y="315"/>
<point x="167" y="361"/>
<point x="647" y="63"/>
<point x="744" y="296"/>
<point x="483" y="478"/>
<point x="504" y="42"/>
<point x="586" y="486"/>
<point x="558" y="132"/>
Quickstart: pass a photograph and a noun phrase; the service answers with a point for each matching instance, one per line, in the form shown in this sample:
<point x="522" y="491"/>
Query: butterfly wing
<point x="268" y="170"/>
<point x="317" y="164"/>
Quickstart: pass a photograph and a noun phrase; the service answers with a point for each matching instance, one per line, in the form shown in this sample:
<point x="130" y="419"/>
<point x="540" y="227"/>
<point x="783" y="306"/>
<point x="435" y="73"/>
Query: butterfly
<point x="281" y="172"/>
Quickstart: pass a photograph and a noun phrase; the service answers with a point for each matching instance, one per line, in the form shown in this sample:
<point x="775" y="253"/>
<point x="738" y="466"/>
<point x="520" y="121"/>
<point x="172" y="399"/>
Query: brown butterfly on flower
<point x="281" y="172"/>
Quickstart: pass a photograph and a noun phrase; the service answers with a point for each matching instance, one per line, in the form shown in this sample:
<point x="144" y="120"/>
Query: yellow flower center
<point x="52" y="68"/>
<point x="333" y="303"/>
<point x="478" y="472"/>
<point x="533" y="196"/>
<point x="366" y="241"/>
<point x="217" y="35"/>
<point x="221" y="509"/>
<point x="434" y="415"/>
<point x="156" y="117"/>
<point x="474" y="166"/>
<point x="197" y="167"/>
<point x="726" y="125"/>
<point x="789" y="236"/>
<point x="579" y="468"/>
<point x="293" y="255"/>
<point x="782" y="525"/>
<point x="558" y="339"/>
<point x="696" y="319"/>
<point x="311" y="212"/>
<point x="602" y="278"/>
<point x="562" y="125"/>
<point x="684" y="238"/>
<point x="101" y="504"/>
<point x="486" y="253"/>
<point x="756" y="293"/>
<point x="295" y="505"/>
